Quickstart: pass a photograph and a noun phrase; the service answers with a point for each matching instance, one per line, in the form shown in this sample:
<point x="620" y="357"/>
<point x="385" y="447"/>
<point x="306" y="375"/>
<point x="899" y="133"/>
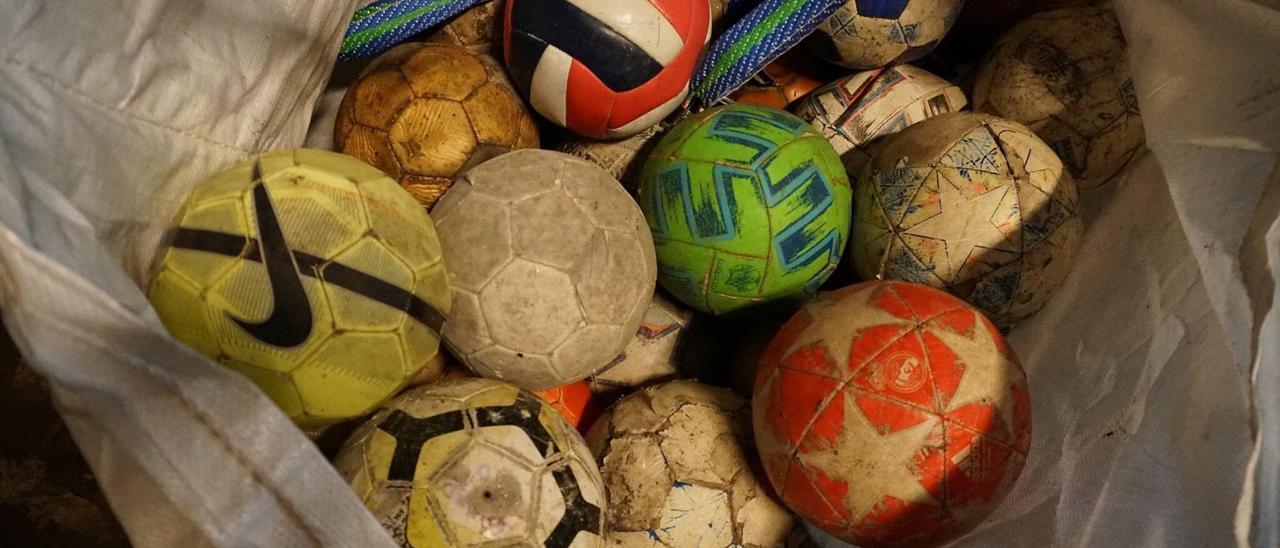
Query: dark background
<point x="48" y="497"/>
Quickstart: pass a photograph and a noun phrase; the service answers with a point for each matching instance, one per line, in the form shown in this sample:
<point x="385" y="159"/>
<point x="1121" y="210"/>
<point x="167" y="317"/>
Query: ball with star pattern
<point x="891" y="414"/>
<point x="972" y="204"/>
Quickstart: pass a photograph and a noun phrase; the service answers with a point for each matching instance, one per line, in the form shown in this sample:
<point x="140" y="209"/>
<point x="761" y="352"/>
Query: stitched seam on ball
<point x="898" y="236"/>
<point x="845" y="384"/>
<point x="897" y="223"/>
<point x="1022" y="242"/>
<point x="984" y="435"/>
<point x="768" y="211"/>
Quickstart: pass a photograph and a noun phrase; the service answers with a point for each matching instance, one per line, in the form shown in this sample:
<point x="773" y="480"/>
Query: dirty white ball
<point x="1065" y="74"/>
<point x="652" y="356"/>
<point x="552" y="267"/>
<point x="864" y="35"/>
<point x="855" y="110"/>
<point x="677" y="471"/>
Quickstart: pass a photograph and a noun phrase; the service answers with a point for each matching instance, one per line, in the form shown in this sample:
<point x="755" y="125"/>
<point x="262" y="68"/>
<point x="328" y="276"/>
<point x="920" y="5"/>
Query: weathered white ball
<point x="972" y="204"/>
<point x="677" y="466"/>
<point x="860" y="108"/>
<point x="865" y="35"/>
<point x="552" y="267"/>
<point x="652" y="356"/>
<point x="1065" y="75"/>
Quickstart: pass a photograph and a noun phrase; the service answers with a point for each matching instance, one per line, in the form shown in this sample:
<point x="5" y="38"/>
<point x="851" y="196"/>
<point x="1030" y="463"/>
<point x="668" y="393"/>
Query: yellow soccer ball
<point x="476" y="462"/>
<point x="312" y="273"/>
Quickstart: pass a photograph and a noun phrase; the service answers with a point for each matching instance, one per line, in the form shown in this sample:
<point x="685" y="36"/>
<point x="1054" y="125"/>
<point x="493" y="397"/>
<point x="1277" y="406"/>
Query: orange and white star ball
<point x="891" y="414"/>
<point x="970" y="203"/>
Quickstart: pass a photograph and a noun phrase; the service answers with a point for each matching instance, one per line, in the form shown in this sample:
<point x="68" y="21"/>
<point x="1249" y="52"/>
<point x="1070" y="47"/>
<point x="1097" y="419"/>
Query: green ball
<point x="747" y="204"/>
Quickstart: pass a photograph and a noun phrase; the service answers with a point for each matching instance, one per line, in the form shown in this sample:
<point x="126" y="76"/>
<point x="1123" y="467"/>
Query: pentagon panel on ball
<point x="424" y="112"/>
<point x="891" y="414"/>
<point x="865" y="34"/>
<point x="678" y="467"/>
<point x="313" y="274"/>
<point x="747" y="204"/>
<point x="1065" y="74"/>
<point x="476" y="462"/>
<point x="605" y="69"/>
<point x="551" y="264"/>
<point x="857" y="109"/>
<point x="969" y="203"/>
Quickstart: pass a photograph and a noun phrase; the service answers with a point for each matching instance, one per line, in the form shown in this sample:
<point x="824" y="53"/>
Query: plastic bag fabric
<point x="1154" y="372"/>
<point x="109" y="113"/>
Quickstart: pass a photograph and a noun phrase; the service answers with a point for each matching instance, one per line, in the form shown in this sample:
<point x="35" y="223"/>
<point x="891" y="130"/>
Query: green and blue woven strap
<point x="762" y="35"/>
<point x="765" y="32"/>
<point x="379" y="26"/>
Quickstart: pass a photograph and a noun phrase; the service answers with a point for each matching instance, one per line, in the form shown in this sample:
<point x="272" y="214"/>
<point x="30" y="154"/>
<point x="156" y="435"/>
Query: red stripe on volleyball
<point x="506" y="31"/>
<point x="692" y="25"/>
<point x="680" y="19"/>
<point x="587" y="102"/>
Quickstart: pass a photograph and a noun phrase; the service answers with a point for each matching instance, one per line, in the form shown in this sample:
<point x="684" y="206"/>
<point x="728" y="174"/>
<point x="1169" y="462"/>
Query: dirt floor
<point x="48" y="497"/>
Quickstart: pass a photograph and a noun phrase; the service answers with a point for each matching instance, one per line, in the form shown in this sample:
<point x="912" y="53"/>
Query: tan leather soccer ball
<point x="423" y="112"/>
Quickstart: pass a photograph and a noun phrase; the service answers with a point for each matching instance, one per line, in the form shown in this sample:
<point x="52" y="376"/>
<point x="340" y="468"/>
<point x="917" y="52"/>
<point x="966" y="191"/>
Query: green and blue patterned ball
<point x="747" y="205"/>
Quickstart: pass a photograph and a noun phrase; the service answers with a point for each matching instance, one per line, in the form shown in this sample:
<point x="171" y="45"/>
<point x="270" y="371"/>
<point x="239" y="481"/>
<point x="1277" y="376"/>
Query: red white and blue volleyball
<point x="605" y="68"/>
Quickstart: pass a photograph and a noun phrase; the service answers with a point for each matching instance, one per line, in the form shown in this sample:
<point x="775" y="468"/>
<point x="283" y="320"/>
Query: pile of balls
<point x="863" y="240"/>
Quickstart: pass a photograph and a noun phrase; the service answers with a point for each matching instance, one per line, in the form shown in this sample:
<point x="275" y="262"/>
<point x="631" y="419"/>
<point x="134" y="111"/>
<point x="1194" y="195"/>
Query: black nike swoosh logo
<point x="290" y="321"/>
<point x="332" y="273"/>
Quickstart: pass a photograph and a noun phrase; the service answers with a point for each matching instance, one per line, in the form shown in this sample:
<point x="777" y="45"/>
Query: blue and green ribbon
<point x="379" y="26"/>
<point x="762" y="35"/>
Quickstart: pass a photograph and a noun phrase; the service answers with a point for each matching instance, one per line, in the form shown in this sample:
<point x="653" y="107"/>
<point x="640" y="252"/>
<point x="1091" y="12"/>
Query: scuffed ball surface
<point x="676" y="460"/>
<point x="472" y="462"/>
<point x="891" y="414"/>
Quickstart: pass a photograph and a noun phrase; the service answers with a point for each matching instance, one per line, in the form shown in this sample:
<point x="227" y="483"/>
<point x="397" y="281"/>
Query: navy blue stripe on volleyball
<point x="708" y="91"/>
<point x="526" y="51"/>
<point x="882" y="9"/>
<point x="617" y="61"/>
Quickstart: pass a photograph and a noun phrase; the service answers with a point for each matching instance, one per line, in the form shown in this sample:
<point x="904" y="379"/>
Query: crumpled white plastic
<point x="1154" y="371"/>
<point x="110" y="112"/>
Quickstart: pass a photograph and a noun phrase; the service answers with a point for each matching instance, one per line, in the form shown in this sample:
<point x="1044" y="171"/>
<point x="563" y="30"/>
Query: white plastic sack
<point x="1154" y="372"/>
